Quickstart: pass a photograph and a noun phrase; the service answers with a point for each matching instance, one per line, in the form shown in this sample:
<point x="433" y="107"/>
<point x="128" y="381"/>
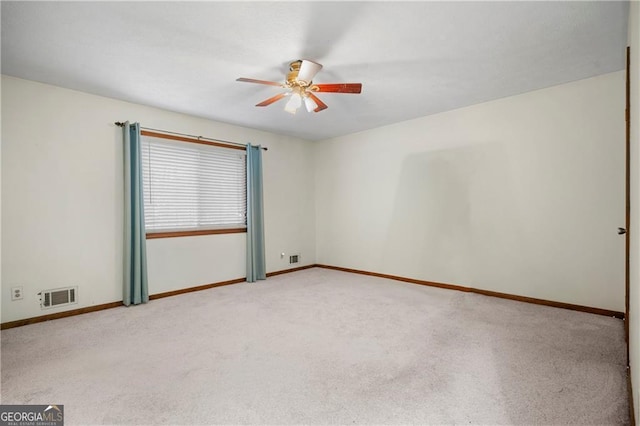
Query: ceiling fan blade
<point x="272" y="99"/>
<point x="321" y="105"/>
<point x="308" y="70"/>
<point x="251" y="80"/>
<point x="338" y="87"/>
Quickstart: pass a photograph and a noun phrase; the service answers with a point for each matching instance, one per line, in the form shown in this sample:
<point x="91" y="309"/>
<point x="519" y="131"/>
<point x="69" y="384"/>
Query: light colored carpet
<point x="321" y="346"/>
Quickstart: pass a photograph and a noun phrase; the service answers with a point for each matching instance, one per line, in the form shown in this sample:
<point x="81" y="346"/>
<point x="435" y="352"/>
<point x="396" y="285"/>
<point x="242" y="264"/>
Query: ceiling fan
<point x="302" y="89"/>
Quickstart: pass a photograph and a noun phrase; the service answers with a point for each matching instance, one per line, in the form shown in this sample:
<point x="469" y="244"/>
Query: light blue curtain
<point x="256" y="264"/>
<point x="135" y="243"/>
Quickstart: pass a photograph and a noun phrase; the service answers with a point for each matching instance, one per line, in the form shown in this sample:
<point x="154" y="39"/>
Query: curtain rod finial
<point x="119" y="123"/>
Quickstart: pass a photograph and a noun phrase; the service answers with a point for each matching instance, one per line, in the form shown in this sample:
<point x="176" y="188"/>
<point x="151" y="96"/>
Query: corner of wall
<point x="634" y="256"/>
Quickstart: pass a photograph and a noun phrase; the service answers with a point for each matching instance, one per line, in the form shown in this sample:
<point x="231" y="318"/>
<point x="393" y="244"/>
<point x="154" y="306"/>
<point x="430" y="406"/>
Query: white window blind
<point x="191" y="186"/>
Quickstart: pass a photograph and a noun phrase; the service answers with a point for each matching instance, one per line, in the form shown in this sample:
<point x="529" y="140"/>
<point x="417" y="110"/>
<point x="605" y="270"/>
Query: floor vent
<point x="294" y="258"/>
<point x="58" y="297"/>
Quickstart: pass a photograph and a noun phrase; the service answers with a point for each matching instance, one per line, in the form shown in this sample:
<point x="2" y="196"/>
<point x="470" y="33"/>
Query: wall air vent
<point x="58" y="297"/>
<point x="294" y="258"/>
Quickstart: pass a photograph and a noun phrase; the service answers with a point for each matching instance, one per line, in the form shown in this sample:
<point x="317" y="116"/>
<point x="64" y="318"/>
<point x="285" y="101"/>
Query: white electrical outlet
<point x="16" y="293"/>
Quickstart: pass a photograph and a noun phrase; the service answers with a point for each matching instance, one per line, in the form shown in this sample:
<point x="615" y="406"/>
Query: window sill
<point x="153" y="235"/>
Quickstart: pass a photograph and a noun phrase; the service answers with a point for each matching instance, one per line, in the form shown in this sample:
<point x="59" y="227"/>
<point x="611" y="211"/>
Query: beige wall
<point x="62" y="200"/>
<point x="521" y="195"/>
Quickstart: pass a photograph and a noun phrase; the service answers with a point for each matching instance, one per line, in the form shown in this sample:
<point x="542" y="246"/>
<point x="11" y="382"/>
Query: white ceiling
<point x="412" y="58"/>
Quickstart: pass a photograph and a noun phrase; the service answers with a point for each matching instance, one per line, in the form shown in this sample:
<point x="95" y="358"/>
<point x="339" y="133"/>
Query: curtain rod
<point x="121" y="124"/>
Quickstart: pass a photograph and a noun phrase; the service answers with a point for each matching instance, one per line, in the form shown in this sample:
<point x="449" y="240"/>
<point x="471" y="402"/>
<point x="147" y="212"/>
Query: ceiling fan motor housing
<point x="292" y="76"/>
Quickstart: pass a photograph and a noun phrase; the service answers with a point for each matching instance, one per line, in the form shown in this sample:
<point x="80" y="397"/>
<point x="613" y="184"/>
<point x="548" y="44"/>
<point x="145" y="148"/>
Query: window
<point x="192" y="186"/>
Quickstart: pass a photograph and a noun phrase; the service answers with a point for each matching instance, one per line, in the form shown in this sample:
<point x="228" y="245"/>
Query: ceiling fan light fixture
<point x="294" y="103"/>
<point x="310" y="104"/>
<point x="308" y="70"/>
